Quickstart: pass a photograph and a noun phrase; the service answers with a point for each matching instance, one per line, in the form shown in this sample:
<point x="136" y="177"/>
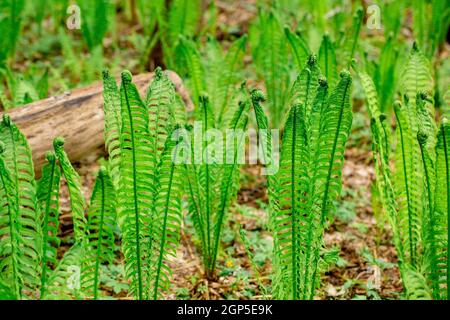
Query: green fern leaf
<point x="166" y="220"/>
<point x="77" y="202"/>
<point x="327" y="61"/>
<point x="136" y="183"/>
<point x="442" y="211"/>
<point x="113" y="123"/>
<point x="299" y="47"/>
<point x="48" y="201"/>
<point x="21" y="258"/>
<point x="230" y="176"/>
<point x="101" y="225"/>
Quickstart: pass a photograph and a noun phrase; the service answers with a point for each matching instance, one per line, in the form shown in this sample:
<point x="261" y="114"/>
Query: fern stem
<point x="411" y="245"/>
<point x="333" y="151"/>
<point x="447" y="167"/>
<point x="12" y="232"/>
<point x="294" y="229"/>
<point x="225" y="198"/>
<point x="431" y="218"/>
<point x="208" y="215"/>
<point x="15" y="219"/>
<point x="136" y="207"/>
<point x="100" y="237"/>
<point x="163" y="238"/>
<point x="45" y="230"/>
<point x="197" y="213"/>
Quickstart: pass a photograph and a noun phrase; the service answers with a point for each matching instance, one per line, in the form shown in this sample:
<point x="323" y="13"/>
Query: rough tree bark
<point x="78" y="117"/>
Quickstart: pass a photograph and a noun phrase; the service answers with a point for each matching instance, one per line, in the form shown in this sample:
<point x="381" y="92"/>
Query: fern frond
<point x="351" y="41"/>
<point x="415" y="285"/>
<point x="184" y="17"/>
<point x="408" y="184"/>
<point x="48" y="202"/>
<point x="305" y="87"/>
<point x="230" y="175"/>
<point x="21" y="256"/>
<point x="416" y="76"/>
<point x="442" y="212"/>
<point x="299" y="47"/>
<point x="192" y="60"/>
<point x="428" y="218"/>
<point x="327" y="163"/>
<point x="159" y="101"/>
<point x="327" y="61"/>
<point x="231" y="62"/>
<point x="101" y="225"/>
<point x="273" y="66"/>
<point x="167" y="219"/>
<point x="113" y="123"/>
<point x="381" y="154"/>
<point x="136" y="183"/>
<point x="9" y="242"/>
<point x="77" y="202"/>
<point x="287" y="222"/>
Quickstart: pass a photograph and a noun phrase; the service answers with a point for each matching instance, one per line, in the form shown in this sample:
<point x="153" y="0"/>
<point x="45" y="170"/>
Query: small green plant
<point x="309" y="179"/>
<point x="147" y="179"/>
<point x="213" y="182"/>
<point x="29" y="220"/>
<point x="415" y="197"/>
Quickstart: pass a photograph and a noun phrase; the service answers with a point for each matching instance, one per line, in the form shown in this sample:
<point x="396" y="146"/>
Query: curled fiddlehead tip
<point x="345" y="74"/>
<point x="203" y="98"/>
<point x="257" y="95"/>
<point x="323" y="81"/>
<point x="50" y="156"/>
<point x="158" y="73"/>
<point x="58" y="142"/>
<point x="126" y="76"/>
<point x="422" y="137"/>
<point x="102" y="172"/>
<point x="7" y="120"/>
<point x="383" y="117"/>
<point x="397" y="105"/>
<point x="2" y="147"/>
<point x="415" y="46"/>
<point x="312" y="59"/>
<point x="105" y="74"/>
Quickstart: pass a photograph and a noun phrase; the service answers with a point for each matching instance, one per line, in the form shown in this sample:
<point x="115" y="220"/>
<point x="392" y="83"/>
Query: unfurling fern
<point x="77" y="202"/>
<point x="149" y="208"/>
<point x="136" y="188"/>
<point x="48" y="201"/>
<point x="101" y="225"/>
<point x="213" y="179"/>
<point x="309" y="180"/>
<point x="19" y="223"/>
<point x="113" y="124"/>
<point x="418" y="211"/>
<point x="440" y="272"/>
<point x="166" y="221"/>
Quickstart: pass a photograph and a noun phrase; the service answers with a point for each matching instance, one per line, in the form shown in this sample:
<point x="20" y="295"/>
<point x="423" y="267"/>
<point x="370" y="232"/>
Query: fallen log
<point x="78" y="117"/>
